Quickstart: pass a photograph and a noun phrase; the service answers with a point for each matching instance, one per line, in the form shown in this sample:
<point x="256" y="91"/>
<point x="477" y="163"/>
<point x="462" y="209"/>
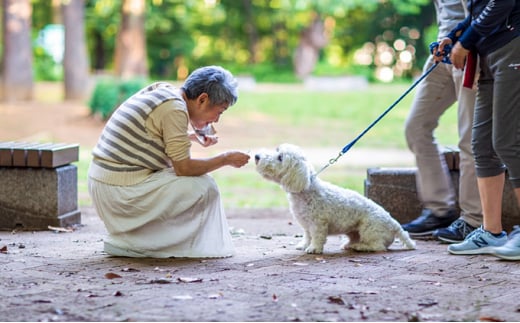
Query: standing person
<point x="492" y="30"/>
<point x="153" y="197"/>
<point x="436" y="93"/>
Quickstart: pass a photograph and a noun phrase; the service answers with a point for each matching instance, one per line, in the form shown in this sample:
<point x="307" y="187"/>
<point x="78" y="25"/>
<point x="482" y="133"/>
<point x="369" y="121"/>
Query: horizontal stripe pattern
<point x="125" y="147"/>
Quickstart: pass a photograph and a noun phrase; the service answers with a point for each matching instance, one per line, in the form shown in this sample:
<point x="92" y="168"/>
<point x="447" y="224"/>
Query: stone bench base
<point x="395" y="190"/>
<point x="34" y="198"/>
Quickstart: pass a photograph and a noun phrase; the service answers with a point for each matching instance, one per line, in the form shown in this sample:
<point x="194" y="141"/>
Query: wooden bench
<point x="38" y="185"/>
<point x="395" y="190"/>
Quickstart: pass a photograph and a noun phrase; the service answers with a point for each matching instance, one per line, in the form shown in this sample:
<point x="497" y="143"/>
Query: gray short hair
<point x="217" y="82"/>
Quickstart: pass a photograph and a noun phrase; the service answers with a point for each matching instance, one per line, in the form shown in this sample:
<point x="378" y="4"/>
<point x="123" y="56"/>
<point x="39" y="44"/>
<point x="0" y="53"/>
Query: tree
<point x="17" y="77"/>
<point x="312" y="40"/>
<point x="130" y="53"/>
<point x="75" y="61"/>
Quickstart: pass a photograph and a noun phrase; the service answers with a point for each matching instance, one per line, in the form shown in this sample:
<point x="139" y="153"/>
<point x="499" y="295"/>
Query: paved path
<point x="48" y="276"/>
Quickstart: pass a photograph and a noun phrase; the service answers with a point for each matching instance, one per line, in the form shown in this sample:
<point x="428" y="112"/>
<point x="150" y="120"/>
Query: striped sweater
<point x="125" y="153"/>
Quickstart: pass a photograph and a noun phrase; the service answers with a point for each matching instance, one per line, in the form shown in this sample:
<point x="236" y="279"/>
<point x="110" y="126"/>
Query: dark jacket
<point x="490" y="25"/>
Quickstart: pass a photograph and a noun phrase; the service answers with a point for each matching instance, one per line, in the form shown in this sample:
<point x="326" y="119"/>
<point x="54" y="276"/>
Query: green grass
<point x="267" y="117"/>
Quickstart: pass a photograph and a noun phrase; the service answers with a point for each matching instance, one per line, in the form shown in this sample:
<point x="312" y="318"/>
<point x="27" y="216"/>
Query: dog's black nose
<point x="257" y="157"/>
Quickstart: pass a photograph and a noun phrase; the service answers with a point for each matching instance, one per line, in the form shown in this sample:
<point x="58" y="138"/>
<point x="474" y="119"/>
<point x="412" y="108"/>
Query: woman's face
<point x="206" y="113"/>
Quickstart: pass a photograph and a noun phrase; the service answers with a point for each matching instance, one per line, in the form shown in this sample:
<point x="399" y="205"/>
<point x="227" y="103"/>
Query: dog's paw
<point x="313" y="250"/>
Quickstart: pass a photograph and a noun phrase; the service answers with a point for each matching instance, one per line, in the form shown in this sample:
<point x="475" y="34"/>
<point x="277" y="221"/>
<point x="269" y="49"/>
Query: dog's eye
<point x="280" y="157"/>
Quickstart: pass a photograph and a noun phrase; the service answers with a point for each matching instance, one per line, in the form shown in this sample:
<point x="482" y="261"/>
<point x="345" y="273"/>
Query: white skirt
<point x="164" y="216"/>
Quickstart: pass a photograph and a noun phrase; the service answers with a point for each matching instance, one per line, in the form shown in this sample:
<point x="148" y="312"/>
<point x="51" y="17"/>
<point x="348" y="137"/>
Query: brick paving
<point x="49" y="276"/>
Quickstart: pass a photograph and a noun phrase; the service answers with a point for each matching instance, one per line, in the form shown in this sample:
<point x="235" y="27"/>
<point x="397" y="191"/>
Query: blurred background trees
<point x="269" y="40"/>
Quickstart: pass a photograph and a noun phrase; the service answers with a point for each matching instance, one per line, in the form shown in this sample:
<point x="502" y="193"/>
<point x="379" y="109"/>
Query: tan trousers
<point x="434" y="95"/>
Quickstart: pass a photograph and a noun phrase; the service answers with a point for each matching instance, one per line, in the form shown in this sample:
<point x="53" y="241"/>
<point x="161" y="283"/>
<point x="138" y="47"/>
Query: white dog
<point x="322" y="208"/>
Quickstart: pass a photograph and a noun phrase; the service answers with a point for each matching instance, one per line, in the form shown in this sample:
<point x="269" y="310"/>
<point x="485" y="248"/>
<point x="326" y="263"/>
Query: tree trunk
<point x="17" y="75"/>
<point x="251" y="31"/>
<point x="75" y="60"/>
<point x="312" y="40"/>
<point x="130" y="52"/>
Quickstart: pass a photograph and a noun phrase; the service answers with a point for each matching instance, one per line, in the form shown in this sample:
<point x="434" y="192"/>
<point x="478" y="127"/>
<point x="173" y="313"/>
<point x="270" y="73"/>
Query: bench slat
<point x="46" y="155"/>
<point x="59" y="155"/>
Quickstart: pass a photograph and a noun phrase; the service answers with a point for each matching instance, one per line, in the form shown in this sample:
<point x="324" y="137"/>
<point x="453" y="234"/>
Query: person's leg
<point x="506" y="136"/>
<point x="434" y="95"/>
<point x="490" y="129"/>
<point x="469" y="199"/>
<point x="491" y="192"/>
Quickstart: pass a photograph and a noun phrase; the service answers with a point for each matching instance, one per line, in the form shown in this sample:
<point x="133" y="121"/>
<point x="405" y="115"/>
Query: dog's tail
<point x="405" y="239"/>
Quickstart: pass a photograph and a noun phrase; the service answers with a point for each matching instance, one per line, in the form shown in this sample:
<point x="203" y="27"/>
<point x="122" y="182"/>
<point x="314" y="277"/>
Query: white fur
<point x="322" y="208"/>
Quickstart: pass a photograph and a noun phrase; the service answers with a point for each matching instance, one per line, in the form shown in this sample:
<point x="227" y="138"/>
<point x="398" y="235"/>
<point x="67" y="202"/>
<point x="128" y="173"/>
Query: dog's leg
<point x="305" y="242"/>
<point x="318" y="239"/>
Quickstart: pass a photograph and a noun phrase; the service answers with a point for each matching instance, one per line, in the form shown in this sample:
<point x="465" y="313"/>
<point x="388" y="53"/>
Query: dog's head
<point x="286" y="166"/>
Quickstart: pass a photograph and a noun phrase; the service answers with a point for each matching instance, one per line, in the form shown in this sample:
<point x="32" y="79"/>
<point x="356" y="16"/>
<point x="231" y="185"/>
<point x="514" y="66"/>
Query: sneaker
<point x="456" y="232"/>
<point x="515" y="231"/>
<point x="428" y="222"/>
<point x="511" y="250"/>
<point x="478" y="242"/>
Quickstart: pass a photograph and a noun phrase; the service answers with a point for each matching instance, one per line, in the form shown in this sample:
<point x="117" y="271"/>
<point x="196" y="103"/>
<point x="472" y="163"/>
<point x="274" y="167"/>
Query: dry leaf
<point x="215" y="296"/>
<point x="112" y="276"/>
<point x="489" y="319"/>
<point x="189" y="280"/>
<point x="275" y="298"/>
<point x="300" y="264"/>
<point x="160" y="281"/>
<point x="117" y="293"/>
<point x="129" y="269"/>
<point x="59" y="229"/>
<point x="3" y="249"/>
<point x="336" y="300"/>
<point x="182" y="297"/>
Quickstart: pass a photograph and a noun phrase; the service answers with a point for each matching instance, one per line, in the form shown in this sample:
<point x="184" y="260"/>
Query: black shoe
<point x="456" y="232"/>
<point x="428" y="222"/>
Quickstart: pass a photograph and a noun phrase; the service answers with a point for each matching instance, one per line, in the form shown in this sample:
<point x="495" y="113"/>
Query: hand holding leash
<point x="441" y="51"/>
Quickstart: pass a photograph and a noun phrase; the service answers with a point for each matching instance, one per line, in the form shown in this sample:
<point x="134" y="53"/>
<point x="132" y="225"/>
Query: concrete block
<point x="395" y="189"/>
<point x="34" y="198"/>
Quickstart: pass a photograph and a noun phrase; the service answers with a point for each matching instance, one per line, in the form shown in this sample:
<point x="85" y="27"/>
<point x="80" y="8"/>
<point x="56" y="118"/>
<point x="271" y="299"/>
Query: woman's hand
<point x="439" y="52"/>
<point x="458" y="56"/>
<point x="205" y="141"/>
<point x="236" y="158"/>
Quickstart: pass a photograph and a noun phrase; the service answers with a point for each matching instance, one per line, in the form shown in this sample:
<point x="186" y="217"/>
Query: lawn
<point x="271" y="115"/>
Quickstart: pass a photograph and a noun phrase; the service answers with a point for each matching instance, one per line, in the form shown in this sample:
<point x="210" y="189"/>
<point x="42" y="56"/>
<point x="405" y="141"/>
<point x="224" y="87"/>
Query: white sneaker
<point x="511" y="250"/>
<point x="478" y="242"/>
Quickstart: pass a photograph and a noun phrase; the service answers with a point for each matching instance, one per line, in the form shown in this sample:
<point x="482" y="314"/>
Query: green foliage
<point x="266" y="73"/>
<point x="44" y="67"/>
<point x="109" y="93"/>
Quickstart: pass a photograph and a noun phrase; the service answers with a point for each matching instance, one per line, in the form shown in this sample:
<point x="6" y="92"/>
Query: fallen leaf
<point x="110" y="275"/>
<point x="336" y="300"/>
<point x="59" y="229"/>
<point x="42" y="301"/>
<point x="300" y="264"/>
<point x="189" y="280"/>
<point x="489" y="319"/>
<point x="215" y="296"/>
<point x="129" y="269"/>
<point x="182" y="297"/>
<point x="117" y="293"/>
<point x="3" y="249"/>
<point x="275" y="298"/>
<point x="160" y="281"/>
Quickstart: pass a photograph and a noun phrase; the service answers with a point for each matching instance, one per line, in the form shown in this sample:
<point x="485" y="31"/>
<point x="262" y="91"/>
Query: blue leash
<point x="353" y="142"/>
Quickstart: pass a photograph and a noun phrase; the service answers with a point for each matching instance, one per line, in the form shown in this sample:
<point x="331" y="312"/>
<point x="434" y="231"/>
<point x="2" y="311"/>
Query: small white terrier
<point x="322" y="208"/>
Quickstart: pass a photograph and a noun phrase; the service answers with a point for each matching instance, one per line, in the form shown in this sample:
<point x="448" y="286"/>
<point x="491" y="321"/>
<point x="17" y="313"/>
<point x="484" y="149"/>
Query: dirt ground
<point x="65" y="276"/>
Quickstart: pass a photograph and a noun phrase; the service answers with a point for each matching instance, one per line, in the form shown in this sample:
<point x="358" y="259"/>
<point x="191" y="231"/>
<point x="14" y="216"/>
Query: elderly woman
<point x="153" y="197"/>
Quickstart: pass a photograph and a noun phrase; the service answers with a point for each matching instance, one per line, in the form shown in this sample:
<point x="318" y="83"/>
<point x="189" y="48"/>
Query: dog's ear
<point x="297" y="178"/>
